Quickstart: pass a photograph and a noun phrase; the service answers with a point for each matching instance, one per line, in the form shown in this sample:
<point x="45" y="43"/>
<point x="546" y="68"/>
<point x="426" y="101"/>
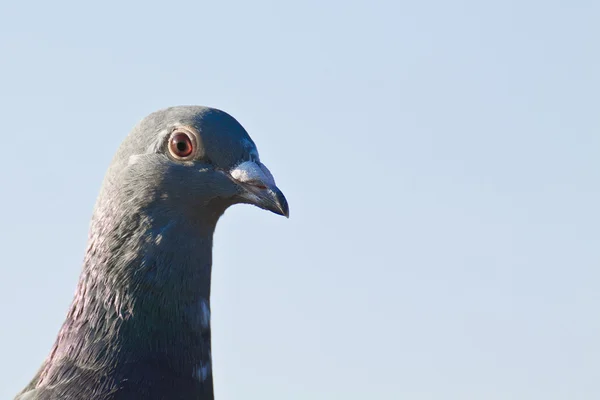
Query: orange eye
<point x="181" y="145"/>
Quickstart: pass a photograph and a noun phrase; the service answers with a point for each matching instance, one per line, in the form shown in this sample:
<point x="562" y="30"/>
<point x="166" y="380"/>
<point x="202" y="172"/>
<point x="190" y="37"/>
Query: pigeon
<point x="139" y="323"/>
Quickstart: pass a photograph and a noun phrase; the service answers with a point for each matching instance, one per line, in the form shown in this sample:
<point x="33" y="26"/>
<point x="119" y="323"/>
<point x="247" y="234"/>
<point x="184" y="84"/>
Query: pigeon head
<point x="195" y="161"/>
<point x="140" y="319"/>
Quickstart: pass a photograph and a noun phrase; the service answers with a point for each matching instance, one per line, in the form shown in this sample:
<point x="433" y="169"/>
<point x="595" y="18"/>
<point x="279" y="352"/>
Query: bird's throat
<point x="142" y="305"/>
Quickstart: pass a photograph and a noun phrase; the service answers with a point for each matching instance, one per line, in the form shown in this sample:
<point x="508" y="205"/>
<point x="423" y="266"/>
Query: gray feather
<point x="138" y="326"/>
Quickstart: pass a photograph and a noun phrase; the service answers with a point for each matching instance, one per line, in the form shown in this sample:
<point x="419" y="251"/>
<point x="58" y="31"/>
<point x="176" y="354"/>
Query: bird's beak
<point x="259" y="187"/>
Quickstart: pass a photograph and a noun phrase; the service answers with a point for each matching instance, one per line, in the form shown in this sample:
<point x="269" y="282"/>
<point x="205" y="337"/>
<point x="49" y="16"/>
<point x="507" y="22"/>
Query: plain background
<point x="440" y="159"/>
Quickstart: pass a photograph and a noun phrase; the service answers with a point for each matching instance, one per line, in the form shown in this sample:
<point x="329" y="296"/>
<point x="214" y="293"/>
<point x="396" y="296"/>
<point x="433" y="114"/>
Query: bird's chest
<point x="180" y="343"/>
<point x="150" y="382"/>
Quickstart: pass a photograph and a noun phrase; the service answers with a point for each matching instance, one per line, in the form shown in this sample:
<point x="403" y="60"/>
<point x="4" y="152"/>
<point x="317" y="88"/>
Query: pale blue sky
<point x="440" y="159"/>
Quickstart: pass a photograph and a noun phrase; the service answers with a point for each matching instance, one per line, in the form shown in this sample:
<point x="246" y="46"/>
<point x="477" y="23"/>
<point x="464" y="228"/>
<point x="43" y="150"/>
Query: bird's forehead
<point x="224" y="140"/>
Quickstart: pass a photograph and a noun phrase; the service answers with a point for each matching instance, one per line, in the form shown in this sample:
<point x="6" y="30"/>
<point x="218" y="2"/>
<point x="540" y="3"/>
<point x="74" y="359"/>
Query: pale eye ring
<point x="182" y="145"/>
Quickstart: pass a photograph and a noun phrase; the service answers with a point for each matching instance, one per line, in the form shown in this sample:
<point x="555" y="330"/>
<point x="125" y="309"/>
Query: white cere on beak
<point x="250" y="171"/>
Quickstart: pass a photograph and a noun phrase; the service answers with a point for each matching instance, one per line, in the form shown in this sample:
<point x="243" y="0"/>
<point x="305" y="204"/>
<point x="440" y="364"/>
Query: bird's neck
<point x="144" y="293"/>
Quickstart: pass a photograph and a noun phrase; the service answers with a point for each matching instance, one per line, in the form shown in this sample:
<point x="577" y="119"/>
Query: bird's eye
<point x="181" y="145"/>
